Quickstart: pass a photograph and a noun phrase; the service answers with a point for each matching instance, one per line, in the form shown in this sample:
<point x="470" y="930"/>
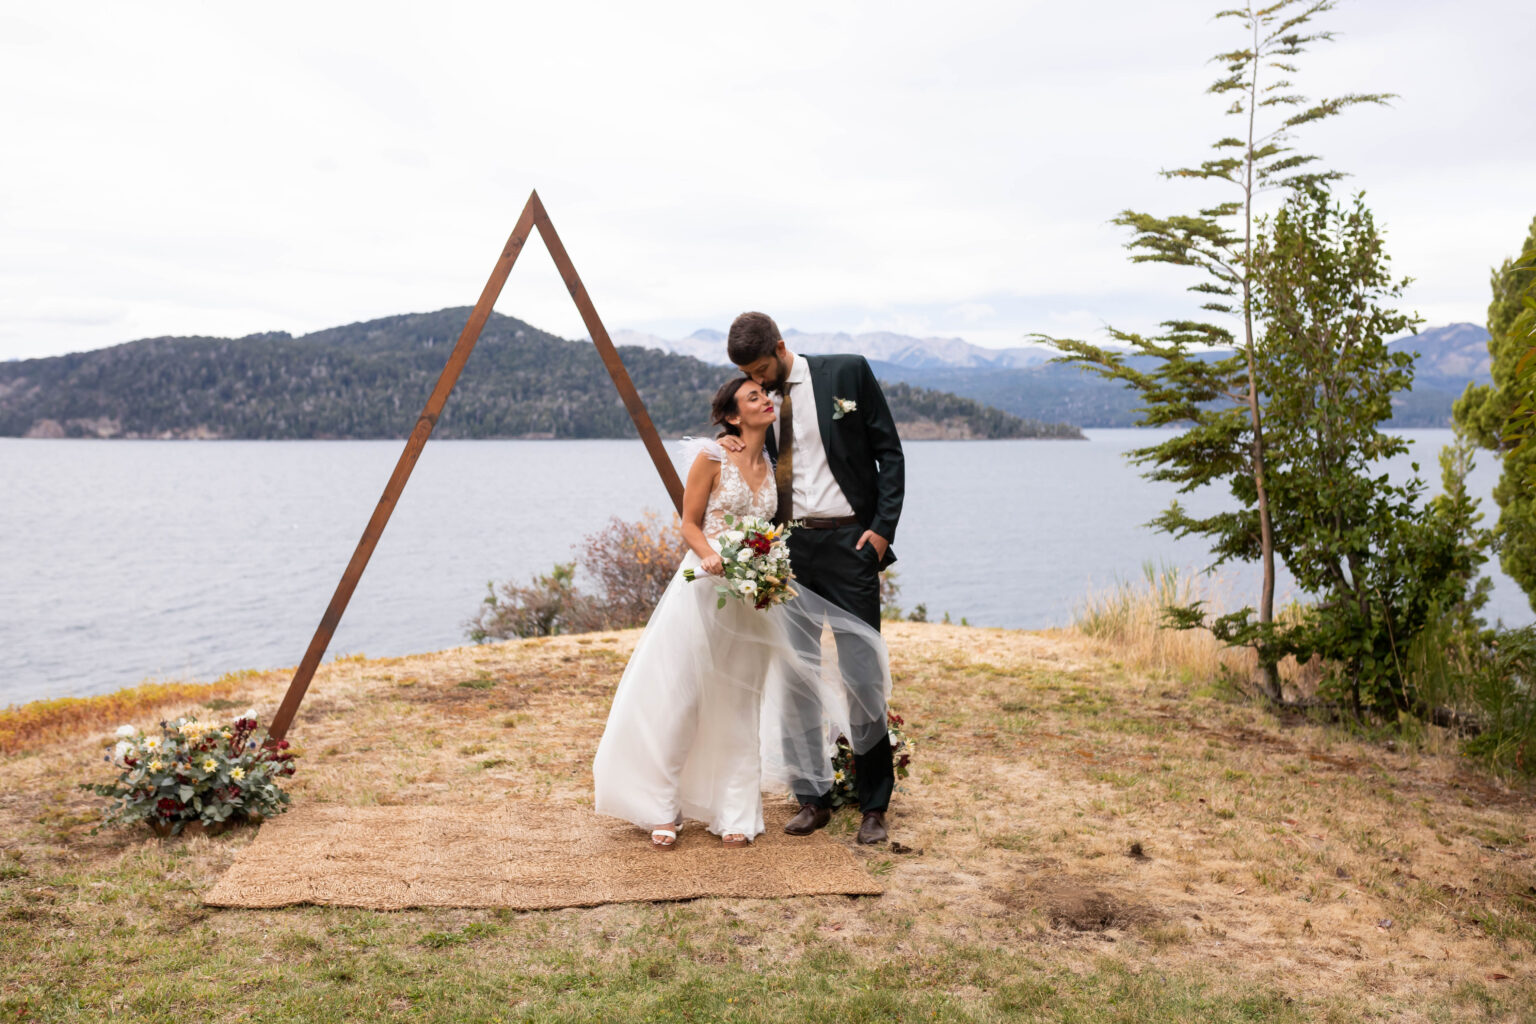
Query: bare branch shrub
<point x="631" y="561"/>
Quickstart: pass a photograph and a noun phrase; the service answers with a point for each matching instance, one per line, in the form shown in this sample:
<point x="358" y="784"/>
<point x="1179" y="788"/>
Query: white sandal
<point x="666" y="836"/>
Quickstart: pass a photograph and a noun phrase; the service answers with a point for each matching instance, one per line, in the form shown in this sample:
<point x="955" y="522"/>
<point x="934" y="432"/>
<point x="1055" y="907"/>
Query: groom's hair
<point x="753" y="336"/>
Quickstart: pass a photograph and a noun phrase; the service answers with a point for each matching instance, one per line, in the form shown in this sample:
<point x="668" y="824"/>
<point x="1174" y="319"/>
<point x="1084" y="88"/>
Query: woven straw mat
<point x="520" y="857"/>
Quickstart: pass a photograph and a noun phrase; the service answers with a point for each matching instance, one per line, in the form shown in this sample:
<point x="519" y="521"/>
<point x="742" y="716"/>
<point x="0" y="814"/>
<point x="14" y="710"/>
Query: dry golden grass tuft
<point x="1128" y="618"/>
<point x="1077" y="830"/>
<point x="30" y="726"/>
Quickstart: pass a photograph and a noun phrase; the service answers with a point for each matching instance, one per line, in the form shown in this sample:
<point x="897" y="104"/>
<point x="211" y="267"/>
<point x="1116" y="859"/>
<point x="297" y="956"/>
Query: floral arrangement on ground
<point x="844" y="786"/>
<point x="205" y="775"/>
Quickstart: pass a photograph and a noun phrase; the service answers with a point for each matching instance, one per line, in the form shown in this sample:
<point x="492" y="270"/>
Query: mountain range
<point x="1024" y="382"/>
<point x="369" y="380"/>
<point x="708" y="346"/>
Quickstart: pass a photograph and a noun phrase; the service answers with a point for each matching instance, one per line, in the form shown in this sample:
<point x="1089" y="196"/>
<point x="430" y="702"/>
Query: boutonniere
<point x="842" y="407"/>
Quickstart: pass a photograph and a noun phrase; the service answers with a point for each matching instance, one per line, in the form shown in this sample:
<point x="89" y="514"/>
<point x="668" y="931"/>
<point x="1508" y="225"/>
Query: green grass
<point x="322" y="965"/>
<point x="131" y="942"/>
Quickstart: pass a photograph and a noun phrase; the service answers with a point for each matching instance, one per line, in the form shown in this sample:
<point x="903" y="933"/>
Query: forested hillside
<point x="370" y="380"/>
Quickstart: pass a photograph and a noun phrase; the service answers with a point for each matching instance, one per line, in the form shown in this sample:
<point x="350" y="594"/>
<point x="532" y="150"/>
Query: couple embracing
<point x="718" y="702"/>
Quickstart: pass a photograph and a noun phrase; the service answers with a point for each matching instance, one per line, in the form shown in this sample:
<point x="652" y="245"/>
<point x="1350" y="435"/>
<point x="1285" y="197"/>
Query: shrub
<point x="1481" y="683"/>
<point x="632" y="562"/>
<point x="550" y="605"/>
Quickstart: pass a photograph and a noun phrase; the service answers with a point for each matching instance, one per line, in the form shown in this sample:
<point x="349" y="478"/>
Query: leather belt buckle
<point x="828" y="523"/>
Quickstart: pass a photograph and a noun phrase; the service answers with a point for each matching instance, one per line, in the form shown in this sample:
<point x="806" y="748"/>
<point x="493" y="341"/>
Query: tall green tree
<point x="1380" y="562"/>
<point x="1502" y="416"/>
<point x="1220" y="399"/>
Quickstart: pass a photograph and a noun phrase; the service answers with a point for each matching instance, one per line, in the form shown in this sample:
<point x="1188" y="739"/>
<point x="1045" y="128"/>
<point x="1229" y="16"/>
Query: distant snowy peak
<point x="1452" y="350"/>
<point x="705" y="346"/>
<point x="879" y="346"/>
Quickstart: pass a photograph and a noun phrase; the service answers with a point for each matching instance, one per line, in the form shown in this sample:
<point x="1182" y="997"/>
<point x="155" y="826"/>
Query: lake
<point x="124" y="561"/>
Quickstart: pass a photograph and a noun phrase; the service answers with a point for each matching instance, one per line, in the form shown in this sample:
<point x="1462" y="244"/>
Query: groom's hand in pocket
<point x="876" y="541"/>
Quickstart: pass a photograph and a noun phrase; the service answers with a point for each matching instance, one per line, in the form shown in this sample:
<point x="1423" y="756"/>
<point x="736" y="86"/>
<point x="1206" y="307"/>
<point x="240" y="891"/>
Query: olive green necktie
<point x="784" y="471"/>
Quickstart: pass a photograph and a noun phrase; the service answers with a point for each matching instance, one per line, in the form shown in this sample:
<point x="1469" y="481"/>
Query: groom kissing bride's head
<point x="756" y="347"/>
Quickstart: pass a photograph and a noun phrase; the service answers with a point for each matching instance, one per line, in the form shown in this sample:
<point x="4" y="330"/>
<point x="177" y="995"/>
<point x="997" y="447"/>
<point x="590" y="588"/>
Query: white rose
<point x="747" y="588"/>
<point x="122" y="750"/>
<point x="744" y="555"/>
<point x="249" y="713"/>
<point x="125" y="731"/>
<point x="734" y="536"/>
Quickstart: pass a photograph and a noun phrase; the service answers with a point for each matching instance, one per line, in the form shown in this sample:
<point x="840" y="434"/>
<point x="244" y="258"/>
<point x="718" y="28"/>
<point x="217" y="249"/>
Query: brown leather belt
<point x="830" y="523"/>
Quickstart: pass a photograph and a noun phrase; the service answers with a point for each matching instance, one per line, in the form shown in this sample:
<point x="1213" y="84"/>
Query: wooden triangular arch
<point x="533" y="216"/>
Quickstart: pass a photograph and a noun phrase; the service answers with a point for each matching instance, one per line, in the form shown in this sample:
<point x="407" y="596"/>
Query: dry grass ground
<point x="1082" y="838"/>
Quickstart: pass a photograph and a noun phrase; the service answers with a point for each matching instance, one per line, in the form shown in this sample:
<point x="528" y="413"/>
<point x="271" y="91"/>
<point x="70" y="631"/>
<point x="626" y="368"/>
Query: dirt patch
<point x="1074" y="904"/>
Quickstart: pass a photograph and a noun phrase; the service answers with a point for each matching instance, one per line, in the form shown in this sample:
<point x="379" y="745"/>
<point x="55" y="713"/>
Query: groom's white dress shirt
<point x="816" y="493"/>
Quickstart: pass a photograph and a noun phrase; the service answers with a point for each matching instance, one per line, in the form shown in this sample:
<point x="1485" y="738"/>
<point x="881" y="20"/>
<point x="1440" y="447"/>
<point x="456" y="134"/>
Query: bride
<point x="704" y="714"/>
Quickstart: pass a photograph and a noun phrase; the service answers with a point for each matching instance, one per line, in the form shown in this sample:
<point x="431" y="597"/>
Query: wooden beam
<point x="533" y="213"/>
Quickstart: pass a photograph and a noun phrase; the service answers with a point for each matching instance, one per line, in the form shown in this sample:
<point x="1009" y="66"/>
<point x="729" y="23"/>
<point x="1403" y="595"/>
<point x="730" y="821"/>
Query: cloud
<point x="206" y="171"/>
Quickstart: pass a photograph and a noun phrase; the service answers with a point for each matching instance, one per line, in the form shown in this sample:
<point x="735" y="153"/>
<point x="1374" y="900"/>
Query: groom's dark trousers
<point x="826" y="563"/>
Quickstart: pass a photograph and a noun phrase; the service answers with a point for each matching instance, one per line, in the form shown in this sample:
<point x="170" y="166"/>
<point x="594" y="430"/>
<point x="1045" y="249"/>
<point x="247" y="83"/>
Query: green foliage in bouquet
<point x="844" y="791"/>
<point x="754" y="555"/>
<point x="195" y="771"/>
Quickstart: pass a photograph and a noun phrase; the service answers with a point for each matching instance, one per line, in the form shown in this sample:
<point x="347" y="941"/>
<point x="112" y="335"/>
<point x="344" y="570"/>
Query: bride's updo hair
<point x="725" y="405"/>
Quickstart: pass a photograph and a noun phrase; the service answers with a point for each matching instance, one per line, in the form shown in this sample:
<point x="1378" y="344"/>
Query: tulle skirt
<point x="718" y="703"/>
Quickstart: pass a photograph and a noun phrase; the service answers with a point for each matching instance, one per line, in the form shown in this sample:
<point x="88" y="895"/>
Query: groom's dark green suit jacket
<point x="863" y="450"/>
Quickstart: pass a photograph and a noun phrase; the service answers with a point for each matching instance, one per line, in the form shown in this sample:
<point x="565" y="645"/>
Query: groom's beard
<point x="781" y="382"/>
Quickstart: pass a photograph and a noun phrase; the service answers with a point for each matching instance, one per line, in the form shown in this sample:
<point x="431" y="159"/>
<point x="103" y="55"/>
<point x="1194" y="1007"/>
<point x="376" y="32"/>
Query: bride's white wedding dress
<point x="697" y="724"/>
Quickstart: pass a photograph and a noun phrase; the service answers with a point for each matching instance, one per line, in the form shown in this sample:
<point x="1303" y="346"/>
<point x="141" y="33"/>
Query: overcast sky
<point x="934" y="169"/>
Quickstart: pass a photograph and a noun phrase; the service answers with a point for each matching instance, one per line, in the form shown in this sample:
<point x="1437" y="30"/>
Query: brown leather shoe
<point x="808" y="820"/>
<point x="872" y="828"/>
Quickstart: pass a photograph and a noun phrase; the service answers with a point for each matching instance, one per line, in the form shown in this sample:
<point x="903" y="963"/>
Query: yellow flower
<point x="237" y="773"/>
<point x="225" y="734"/>
<point x="210" y="764"/>
<point x="156" y="765"/>
<point x="152" y="743"/>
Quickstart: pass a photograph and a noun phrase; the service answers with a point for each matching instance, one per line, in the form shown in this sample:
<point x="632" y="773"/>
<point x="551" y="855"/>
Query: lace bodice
<point x="733" y="495"/>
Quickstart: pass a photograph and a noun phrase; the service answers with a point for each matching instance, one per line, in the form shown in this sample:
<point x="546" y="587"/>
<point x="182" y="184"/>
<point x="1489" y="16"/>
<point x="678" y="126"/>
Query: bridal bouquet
<point x="755" y="554"/>
<point x="208" y="772"/>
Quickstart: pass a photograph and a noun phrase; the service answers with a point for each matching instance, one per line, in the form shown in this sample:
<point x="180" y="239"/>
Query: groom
<point x="839" y="470"/>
